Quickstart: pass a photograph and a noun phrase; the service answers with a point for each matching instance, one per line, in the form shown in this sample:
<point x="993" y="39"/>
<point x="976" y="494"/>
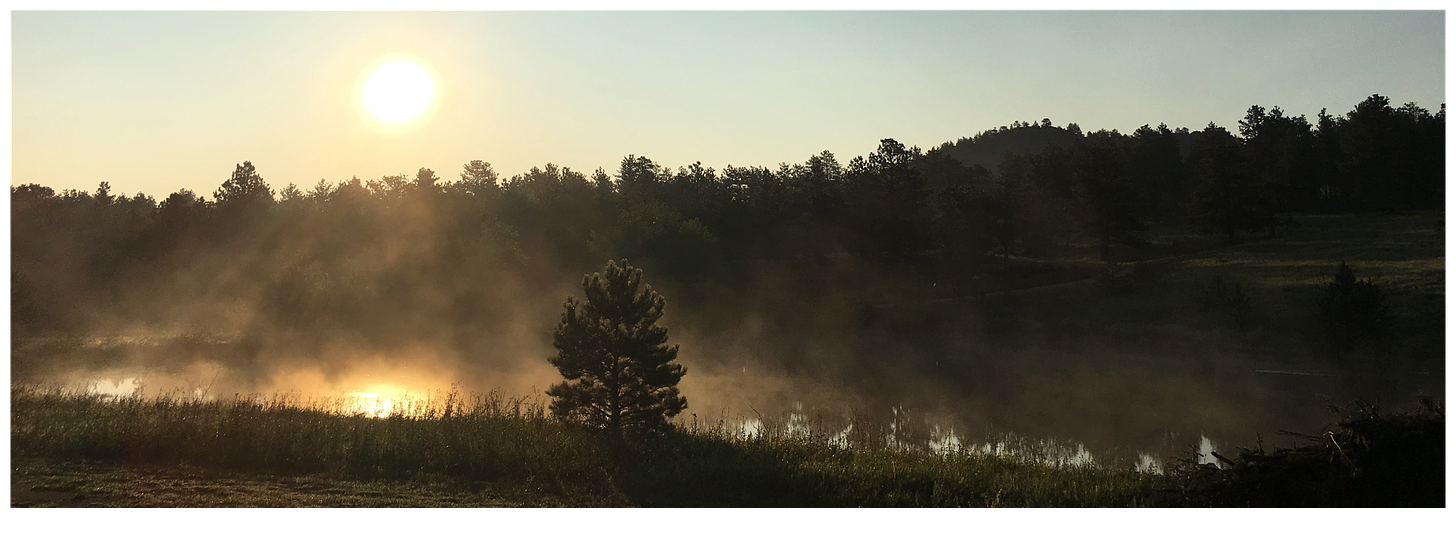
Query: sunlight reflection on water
<point x="1148" y="464"/>
<point x="901" y="432"/>
<point x="1205" y="452"/>
<point x="899" y="429"/>
<point x="119" y="387"/>
<point x="371" y="404"/>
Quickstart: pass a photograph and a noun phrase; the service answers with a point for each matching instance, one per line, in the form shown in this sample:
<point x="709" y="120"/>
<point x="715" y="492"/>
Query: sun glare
<point x="398" y="91"/>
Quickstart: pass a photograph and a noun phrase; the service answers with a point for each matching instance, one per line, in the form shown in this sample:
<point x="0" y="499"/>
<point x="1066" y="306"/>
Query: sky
<point x="154" y="102"/>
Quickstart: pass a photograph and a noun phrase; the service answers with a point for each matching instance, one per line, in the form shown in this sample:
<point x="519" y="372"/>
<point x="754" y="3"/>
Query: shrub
<point x="1349" y="310"/>
<point x="1229" y="298"/>
<point x="1149" y="270"/>
<point x="1370" y="459"/>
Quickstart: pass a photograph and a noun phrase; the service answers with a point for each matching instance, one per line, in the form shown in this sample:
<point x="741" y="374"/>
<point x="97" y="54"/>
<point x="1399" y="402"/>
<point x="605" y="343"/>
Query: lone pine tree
<point x="615" y="358"/>
<point x="1350" y="310"/>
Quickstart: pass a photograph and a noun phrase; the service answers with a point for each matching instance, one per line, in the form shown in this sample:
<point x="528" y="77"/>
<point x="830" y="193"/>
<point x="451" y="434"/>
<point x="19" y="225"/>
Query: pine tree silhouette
<point x="615" y="358"/>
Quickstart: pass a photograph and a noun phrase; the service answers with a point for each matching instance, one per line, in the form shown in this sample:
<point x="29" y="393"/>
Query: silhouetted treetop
<point x="244" y="189"/>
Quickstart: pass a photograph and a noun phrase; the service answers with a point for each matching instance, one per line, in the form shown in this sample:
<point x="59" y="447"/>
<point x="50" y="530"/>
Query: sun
<point x="398" y="91"/>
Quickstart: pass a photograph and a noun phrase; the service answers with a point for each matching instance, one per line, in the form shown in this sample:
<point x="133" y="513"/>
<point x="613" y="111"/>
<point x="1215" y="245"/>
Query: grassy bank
<point x="72" y="449"/>
<point x="510" y="451"/>
<point x="1156" y="300"/>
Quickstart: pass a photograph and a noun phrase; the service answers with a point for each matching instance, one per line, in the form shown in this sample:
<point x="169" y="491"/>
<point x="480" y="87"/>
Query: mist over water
<point x="949" y="392"/>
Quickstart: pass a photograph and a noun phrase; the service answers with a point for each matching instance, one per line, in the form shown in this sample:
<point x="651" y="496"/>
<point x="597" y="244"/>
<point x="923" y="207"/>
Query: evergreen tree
<point x="1155" y="169"/>
<point x="1280" y="153"/>
<point x="478" y="179"/>
<point x="1228" y="198"/>
<point x="244" y="189"/>
<point x="888" y="203"/>
<point x="1109" y="200"/>
<point x="615" y="358"/>
<point x="1349" y="310"/>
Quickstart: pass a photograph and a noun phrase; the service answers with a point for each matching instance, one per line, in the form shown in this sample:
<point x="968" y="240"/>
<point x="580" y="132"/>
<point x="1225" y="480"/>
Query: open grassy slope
<point x="1152" y="301"/>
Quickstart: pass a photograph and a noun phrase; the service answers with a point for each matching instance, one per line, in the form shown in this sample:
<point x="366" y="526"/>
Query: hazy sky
<point x="154" y="102"/>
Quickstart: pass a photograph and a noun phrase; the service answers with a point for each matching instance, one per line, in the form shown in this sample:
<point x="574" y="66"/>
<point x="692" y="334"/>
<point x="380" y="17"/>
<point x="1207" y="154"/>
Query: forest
<point x="391" y="259"/>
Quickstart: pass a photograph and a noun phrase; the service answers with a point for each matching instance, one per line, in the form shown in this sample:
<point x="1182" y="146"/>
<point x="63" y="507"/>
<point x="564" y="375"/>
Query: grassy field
<point x="1154" y="302"/>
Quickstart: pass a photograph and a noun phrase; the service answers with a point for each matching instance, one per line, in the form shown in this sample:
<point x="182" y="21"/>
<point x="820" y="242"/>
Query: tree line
<point x="401" y="255"/>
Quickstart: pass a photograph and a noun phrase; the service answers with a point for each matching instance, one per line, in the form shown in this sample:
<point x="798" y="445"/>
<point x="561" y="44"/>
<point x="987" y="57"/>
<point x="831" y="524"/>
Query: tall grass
<point x="481" y="438"/>
<point x="511" y="445"/>
<point x="805" y="472"/>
